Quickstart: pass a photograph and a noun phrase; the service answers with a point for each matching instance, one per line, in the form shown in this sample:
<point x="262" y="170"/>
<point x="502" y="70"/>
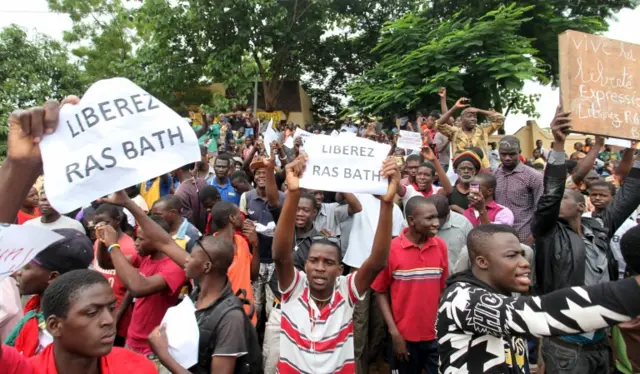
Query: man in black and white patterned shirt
<point x="481" y="329"/>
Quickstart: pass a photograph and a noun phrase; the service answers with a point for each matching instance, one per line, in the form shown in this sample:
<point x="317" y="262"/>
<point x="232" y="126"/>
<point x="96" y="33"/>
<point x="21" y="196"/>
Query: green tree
<point x="483" y="58"/>
<point x="102" y="36"/>
<point x="32" y="70"/>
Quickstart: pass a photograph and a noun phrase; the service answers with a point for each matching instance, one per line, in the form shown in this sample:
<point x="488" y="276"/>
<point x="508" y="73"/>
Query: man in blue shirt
<point x="222" y="181"/>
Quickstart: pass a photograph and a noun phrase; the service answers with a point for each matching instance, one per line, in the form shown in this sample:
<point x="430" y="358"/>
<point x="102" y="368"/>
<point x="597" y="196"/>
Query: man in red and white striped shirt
<point x="317" y="304"/>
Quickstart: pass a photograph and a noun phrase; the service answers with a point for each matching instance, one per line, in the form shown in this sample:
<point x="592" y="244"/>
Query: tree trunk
<point x="497" y="104"/>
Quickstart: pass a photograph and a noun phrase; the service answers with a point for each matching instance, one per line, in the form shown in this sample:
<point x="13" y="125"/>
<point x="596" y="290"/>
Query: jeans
<point x="422" y="356"/>
<point x="271" y="345"/>
<point x="568" y="358"/>
<point x="261" y="292"/>
<point x="369" y="332"/>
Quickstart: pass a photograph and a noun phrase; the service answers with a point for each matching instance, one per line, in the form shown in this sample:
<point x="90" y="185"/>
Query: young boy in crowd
<point x="73" y="252"/>
<point x="227" y="345"/>
<point x="79" y="313"/>
<point x="151" y="278"/>
<point x="317" y="305"/>
<point x="418" y="265"/>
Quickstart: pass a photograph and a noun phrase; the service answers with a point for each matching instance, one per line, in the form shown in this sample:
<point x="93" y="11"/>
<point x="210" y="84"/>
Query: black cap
<point x="72" y="252"/>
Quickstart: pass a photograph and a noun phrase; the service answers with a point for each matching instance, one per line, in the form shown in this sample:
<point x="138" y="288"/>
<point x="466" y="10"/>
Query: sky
<point x="34" y="16"/>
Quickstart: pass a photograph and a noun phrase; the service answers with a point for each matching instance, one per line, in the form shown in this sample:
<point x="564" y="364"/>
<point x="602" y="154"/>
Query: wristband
<point x="112" y="246"/>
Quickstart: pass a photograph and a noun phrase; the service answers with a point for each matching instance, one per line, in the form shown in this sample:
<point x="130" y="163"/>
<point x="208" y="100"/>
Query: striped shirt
<point x="317" y="341"/>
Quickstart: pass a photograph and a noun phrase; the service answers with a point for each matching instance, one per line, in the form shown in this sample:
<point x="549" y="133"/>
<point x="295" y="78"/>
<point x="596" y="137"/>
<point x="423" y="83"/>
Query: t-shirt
<point x="239" y="272"/>
<point x="317" y="341"/>
<point x="412" y="271"/>
<point x="128" y="248"/>
<point x="24" y="217"/>
<point x="364" y="229"/>
<point x="412" y="191"/>
<point x="192" y="209"/>
<point x="63" y="222"/>
<point x="148" y="311"/>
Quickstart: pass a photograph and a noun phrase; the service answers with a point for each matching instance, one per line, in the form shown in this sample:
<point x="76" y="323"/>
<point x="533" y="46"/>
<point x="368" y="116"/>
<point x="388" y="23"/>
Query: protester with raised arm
<point x="318" y="304"/>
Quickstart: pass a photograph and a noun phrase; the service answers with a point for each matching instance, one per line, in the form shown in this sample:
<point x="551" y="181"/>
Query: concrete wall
<point x="531" y="132"/>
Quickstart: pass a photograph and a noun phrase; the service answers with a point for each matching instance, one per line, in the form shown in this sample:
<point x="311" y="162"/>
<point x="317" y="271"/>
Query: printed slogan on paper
<point x="599" y="81"/>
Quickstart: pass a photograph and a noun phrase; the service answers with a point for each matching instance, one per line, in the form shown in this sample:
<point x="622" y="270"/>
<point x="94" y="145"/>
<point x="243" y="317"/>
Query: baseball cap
<point x="74" y="251"/>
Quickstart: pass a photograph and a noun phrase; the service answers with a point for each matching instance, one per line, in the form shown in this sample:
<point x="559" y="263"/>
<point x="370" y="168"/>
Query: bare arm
<point x="271" y="188"/>
<point x="379" y="256"/>
<point x="443" y="105"/>
<point x="626" y="164"/>
<point x="353" y="203"/>
<point x="153" y="232"/>
<point x="124" y="305"/>
<point x="283" y="236"/>
<point x="586" y="164"/>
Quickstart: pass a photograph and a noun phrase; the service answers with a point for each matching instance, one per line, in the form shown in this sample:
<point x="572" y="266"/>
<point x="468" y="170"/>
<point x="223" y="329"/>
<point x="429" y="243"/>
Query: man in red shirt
<point x="151" y="277"/>
<point x="415" y="274"/>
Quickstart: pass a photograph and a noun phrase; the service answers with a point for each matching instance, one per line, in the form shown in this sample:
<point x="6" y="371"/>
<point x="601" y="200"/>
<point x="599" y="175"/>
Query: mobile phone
<point x="474" y="187"/>
<point x="399" y="160"/>
<point x="466" y="101"/>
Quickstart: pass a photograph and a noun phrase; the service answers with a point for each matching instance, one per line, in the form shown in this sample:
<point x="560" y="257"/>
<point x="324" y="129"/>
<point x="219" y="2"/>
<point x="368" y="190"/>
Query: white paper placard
<point x="409" y="140"/>
<point x="182" y="332"/>
<point x="344" y="164"/>
<point x="618" y="142"/>
<point x="19" y="244"/>
<point x="299" y="133"/>
<point x="117" y="136"/>
<point x="335" y="133"/>
<point x="269" y="136"/>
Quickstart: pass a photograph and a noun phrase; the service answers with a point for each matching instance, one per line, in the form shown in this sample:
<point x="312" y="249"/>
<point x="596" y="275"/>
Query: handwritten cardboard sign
<point x="20" y="244"/>
<point x="409" y="140"/>
<point x="116" y="137"/>
<point x="344" y="164"/>
<point x="600" y="84"/>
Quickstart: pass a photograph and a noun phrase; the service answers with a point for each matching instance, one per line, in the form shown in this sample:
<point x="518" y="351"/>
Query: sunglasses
<point x="331" y="239"/>
<point x="198" y="242"/>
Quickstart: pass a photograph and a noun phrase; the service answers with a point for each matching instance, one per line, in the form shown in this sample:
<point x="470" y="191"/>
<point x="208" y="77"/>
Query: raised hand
<point x="560" y="125"/>
<point x="107" y="234"/>
<point x="119" y="198"/>
<point x="442" y="92"/>
<point x="391" y="171"/>
<point x="294" y="171"/>
<point x="428" y="154"/>
<point x="462" y="102"/>
<point x="27" y="127"/>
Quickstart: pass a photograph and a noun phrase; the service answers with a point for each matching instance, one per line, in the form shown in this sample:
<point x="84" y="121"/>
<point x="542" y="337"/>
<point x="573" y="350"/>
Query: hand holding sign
<point x="27" y="127"/>
<point x="294" y="171"/>
<point x="119" y="198"/>
<point x="391" y="171"/>
<point x="560" y="125"/>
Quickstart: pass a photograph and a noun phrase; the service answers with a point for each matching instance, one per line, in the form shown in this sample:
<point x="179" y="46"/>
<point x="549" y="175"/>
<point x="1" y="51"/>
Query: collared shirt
<point x="596" y="270"/>
<point x="415" y="270"/>
<point x="479" y="138"/>
<point x="227" y="192"/>
<point x="330" y="216"/>
<point x="454" y="232"/>
<point x="192" y="208"/>
<point x="257" y="209"/>
<point x="500" y="213"/>
<point x="519" y="190"/>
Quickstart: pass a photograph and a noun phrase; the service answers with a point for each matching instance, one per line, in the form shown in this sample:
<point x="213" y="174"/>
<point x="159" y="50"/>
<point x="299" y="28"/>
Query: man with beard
<point x="469" y="134"/>
<point x="518" y="187"/>
<point x="467" y="164"/>
<point x="418" y="265"/>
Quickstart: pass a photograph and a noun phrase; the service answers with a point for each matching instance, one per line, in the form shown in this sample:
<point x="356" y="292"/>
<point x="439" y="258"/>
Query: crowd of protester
<point x="477" y="259"/>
